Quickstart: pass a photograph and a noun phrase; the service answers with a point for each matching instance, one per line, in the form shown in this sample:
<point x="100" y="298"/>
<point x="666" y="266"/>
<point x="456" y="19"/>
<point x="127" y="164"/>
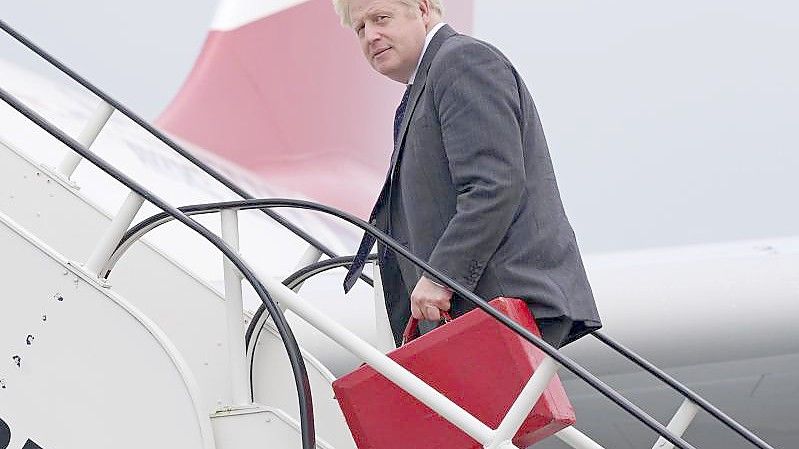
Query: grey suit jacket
<point x="472" y="190"/>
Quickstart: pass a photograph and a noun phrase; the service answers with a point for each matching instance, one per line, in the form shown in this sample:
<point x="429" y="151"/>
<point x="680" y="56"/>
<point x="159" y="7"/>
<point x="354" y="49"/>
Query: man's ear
<point x="424" y="10"/>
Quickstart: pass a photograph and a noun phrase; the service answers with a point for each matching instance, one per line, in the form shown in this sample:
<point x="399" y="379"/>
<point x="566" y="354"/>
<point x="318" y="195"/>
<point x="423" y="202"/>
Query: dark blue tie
<point x="400" y="114"/>
<point x="368" y="240"/>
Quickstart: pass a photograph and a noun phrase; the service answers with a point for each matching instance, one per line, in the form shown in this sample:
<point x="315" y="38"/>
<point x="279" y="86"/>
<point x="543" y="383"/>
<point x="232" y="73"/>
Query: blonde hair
<point x="342" y="8"/>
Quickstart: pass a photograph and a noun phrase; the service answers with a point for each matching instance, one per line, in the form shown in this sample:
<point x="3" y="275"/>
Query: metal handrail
<point x="158" y="219"/>
<point x="221" y="178"/>
<point x="154" y="221"/>
<point x="297" y="278"/>
<point x="150" y="223"/>
<point x="292" y="348"/>
<point x="141" y="228"/>
<point x="309" y="271"/>
<point x="652" y="369"/>
<point x="682" y="389"/>
<point x="291" y="282"/>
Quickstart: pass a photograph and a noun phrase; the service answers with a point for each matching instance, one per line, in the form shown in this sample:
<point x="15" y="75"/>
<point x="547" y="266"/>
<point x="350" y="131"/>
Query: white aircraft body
<point x="721" y="318"/>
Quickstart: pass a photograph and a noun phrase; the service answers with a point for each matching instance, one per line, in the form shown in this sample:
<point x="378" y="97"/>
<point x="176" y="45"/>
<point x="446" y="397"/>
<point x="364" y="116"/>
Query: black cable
<point x="683" y="390"/>
<point x="299" y="277"/>
<point x="392" y="245"/>
<point x="292" y="348"/>
<point x="281" y="220"/>
<point x="292" y="281"/>
<point x="244" y="205"/>
<point x="164" y="138"/>
<point x="148" y="224"/>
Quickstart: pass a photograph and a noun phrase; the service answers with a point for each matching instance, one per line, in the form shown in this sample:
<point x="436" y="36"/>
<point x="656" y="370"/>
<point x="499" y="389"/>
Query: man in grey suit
<point x="471" y="187"/>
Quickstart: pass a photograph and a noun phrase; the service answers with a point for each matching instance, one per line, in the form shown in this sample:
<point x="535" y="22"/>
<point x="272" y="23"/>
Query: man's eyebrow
<point x="376" y="10"/>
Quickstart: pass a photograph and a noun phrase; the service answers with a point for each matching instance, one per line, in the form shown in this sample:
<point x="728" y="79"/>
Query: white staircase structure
<point x="151" y="356"/>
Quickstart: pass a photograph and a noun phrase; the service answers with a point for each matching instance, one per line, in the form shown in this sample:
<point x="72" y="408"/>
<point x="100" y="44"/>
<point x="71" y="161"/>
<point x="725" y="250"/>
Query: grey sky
<point x="139" y="52"/>
<point x="669" y="122"/>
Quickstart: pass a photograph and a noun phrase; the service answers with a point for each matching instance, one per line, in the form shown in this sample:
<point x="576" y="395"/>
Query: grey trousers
<point x="554" y="330"/>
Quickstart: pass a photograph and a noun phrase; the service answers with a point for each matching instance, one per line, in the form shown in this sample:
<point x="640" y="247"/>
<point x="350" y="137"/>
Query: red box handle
<point x="412" y="328"/>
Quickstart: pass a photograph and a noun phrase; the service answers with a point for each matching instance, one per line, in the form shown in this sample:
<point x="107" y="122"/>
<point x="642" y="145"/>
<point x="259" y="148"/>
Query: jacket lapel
<point x="418" y="87"/>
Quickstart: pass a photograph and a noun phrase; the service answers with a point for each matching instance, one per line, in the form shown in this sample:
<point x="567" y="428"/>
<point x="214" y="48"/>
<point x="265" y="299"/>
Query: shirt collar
<point x="427" y="41"/>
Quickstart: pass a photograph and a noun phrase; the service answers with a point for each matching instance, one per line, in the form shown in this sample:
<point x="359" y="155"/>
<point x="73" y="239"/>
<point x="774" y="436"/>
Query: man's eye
<point x="382" y="18"/>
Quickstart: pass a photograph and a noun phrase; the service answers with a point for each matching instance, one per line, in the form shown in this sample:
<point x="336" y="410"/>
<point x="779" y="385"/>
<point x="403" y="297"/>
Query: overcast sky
<point x="669" y="122"/>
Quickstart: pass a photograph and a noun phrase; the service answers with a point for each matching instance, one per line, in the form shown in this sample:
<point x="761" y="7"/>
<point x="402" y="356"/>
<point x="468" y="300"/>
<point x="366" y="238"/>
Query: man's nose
<point x="371" y="33"/>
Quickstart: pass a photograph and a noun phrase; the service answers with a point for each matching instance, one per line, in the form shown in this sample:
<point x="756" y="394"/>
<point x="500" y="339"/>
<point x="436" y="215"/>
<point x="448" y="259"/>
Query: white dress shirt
<point x="427" y="41"/>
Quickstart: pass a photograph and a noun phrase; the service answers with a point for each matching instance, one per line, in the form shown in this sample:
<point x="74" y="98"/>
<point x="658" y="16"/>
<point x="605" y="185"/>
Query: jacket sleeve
<point x="477" y="99"/>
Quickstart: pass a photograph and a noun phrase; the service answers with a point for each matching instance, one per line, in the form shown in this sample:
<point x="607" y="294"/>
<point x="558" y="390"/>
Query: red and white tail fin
<point x="281" y="89"/>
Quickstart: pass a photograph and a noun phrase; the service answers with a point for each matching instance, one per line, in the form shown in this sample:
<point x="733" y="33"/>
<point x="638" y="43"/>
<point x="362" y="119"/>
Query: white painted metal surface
<point x="162" y="289"/>
<point x="701" y="288"/>
<point x="698" y="292"/>
<point x="86" y="138"/>
<point x="384" y="337"/>
<point x="170" y="299"/>
<point x="773" y="283"/>
<point x="310" y="256"/>
<point x="234" y="310"/>
<point x="577" y="439"/>
<point x="679" y="423"/>
<point x="84" y="368"/>
<point x="527" y="399"/>
<point x="258" y="426"/>
<point x="159" y="168"/>
<point x="273" y="386"/>
<point x="113" y="235"/>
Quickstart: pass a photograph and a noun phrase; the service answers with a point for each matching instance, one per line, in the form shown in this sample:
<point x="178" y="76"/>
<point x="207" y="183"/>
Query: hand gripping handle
<point x="412" y="328"/>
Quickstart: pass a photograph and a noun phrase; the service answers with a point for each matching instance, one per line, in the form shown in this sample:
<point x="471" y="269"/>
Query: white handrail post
<point x="110" y="240"/>
<point x="86" y="138"/>
<point x="577" y="439"/>
<point x="384" y="337"/>
<point x="234" y="310"/>
<point x="311" y="255"/>
<point x="382" y="364"/>
<point x="527" y="399"/>
<point x="679" y="423"/>
<point x="503" y="445"/>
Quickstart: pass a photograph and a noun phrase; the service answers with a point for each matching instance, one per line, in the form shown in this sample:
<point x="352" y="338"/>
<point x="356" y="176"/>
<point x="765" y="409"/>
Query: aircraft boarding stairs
<point x="147" y="355"/>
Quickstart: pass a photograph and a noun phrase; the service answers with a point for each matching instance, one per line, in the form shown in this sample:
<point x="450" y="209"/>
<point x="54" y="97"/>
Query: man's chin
<point x="383" y="69"/>
<point x="391" y="73"/>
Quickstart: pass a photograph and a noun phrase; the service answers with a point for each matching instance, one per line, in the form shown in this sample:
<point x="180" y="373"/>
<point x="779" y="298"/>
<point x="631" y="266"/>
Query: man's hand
<point x="428" y="299"/>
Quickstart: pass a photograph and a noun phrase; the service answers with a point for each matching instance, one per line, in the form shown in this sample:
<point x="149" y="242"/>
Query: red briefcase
<point x="477" y="363"/>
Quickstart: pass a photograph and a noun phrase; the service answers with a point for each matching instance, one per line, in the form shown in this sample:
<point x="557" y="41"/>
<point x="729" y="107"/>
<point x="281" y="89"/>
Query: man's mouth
<point x="380" y="52"/>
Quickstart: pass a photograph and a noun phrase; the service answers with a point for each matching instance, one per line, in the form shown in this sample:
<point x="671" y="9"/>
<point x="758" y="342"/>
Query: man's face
<point x="391" y="34"/>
